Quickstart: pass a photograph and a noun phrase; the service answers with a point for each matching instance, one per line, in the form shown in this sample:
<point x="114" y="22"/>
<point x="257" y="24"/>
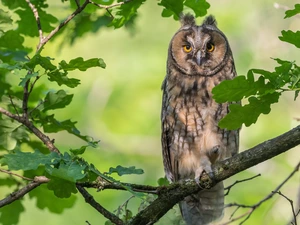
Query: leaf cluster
<point x="262" y="90"/>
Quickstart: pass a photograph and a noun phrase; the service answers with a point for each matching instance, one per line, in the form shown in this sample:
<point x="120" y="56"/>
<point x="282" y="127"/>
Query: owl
<point x="199" y="58"/>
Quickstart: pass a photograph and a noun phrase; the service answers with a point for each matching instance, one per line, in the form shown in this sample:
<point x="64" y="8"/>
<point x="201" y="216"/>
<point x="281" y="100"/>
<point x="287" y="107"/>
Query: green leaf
<point x="46" y="199"/>
<point x="9" y="132"/>
<point x="249" y="113"/>
<point x="120" y="170"/>
<point x="200" y="7"/>
<point x="85" y="23"/>
<point x="44" y="62"/>
<point x="61" y="78"/>
<point x="291" y="37"/>
<point x="82" y="65"/>
<point x="27" y="22"/>
<point x="14" y="4"/>
<point x="10" y="214"/>
<point x="62" y="188"/>
<point x="163" y="181"/>
<point x="79" y="151"/>
<point x="27" y="77"/>
<point x="239" y="87"/>
<point x="292" y="12"/>
<point x="57" y="100"/>
<point x="166" y="13"/>
<point x="4" y="19"/>
<point x="51" y="125"/>
<point x="125" y="12"/>
<point x="72" y="171"/>
<point x="175" y="6"/>
<point x="11" y="40"/>
<point x="17" y="160"/>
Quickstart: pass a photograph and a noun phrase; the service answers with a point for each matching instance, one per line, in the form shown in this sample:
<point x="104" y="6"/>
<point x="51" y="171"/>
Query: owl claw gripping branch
<point x="199" y="58"/>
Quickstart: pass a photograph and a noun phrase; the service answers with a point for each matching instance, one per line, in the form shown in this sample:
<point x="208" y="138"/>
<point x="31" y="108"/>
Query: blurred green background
<point x="120" y="105"/>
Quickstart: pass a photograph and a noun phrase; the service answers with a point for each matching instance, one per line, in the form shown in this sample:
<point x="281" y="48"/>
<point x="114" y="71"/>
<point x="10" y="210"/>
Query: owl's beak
<point x="198" y="58"/>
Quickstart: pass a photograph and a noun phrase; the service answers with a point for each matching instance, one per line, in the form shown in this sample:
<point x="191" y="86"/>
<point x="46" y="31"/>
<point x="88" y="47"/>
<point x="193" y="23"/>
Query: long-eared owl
<point x="199" y="58"/>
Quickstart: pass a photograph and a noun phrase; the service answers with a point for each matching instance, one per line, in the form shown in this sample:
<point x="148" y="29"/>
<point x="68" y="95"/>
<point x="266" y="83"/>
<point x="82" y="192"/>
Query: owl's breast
<point x="194" y="116"/>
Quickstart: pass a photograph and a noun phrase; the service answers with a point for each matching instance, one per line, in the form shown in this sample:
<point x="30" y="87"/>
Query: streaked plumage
<point x="199" y="58"/>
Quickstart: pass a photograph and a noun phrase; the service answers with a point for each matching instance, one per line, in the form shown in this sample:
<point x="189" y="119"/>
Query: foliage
<point x="29" y="96"/>
<point x="263" y="91"/>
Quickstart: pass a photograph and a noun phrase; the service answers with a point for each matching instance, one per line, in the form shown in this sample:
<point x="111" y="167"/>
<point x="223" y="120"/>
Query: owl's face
<point x="199" y="50"/>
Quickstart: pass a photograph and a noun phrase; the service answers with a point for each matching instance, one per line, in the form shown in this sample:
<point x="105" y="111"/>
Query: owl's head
<point x="199" y="50"/>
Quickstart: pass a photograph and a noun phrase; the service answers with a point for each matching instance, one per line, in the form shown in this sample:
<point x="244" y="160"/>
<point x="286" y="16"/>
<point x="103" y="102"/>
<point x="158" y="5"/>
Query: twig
<point x="14" y="174"/>
<point x="25" y="99"/>
<point x="13" y="104"/>
<point x="237" y="218"/>
<point x="38" y="105"/>
<point x="20" y="193"/>
<point x="107" y="7"/>
<point x="292" y="206"/>
<point x="37" y="18"/>
<point x="119" y="210"/>
<point x="121" y="186"/>
<point x="61" y="25"/>
<point x="44" y="138"/>
<point x="284" y="7"/>
<point x="32" y="85"/>
<point x="238" y="181"/>
<point x="255" y="206"/>
<point x="90" y="200"/>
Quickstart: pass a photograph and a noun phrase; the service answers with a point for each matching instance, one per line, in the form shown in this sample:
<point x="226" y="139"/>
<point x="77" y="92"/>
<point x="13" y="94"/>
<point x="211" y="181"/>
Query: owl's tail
<point x="203" y="207"/>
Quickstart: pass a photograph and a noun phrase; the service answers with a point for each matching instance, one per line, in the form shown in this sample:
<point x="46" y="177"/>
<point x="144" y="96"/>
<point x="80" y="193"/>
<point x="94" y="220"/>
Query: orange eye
<point x="187" y="48"/>
<point x="210" y="47"/>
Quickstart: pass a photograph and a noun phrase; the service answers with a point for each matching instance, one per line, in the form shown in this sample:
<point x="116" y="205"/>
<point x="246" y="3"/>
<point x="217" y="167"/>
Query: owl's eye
<point x="187" y="48"/>
<point x="210" y="47"/>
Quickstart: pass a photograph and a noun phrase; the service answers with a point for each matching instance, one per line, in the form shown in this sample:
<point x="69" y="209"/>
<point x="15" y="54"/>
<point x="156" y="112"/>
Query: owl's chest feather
<point x="194" y="114"/>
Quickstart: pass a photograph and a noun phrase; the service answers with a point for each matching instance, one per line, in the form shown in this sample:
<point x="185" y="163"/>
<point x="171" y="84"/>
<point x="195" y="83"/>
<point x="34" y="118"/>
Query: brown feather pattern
<point x="191" y="138"/>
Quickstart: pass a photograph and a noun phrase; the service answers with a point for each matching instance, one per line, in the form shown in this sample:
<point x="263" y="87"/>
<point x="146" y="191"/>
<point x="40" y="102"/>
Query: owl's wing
<point x="233" y="135"/>
<point x="166" y="136"/>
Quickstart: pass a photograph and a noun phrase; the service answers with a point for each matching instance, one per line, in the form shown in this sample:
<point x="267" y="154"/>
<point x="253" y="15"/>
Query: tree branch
<point x="238" y="181"/>
<point x="62" y="24"/>
<point x="37" y="19"/>
<point x="121" y="186"/>
<point x="14" y="174"/>
<point x="292" y="207"/>
<point x="70" y="17"/>
<point x="20" y="193"/>
<point x="90" y="200"/>
<point x="44" y="138"/>
<point x="176" y="192"/>
<point x="255" y="206"/>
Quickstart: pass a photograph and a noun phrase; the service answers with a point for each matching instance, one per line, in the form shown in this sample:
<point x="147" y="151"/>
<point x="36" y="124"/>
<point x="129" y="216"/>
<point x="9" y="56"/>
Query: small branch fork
<point x="292" y="207"/>
<point x="43" y="40"/>
<point x="227" y="189"/>
<point x="255" y="206"/>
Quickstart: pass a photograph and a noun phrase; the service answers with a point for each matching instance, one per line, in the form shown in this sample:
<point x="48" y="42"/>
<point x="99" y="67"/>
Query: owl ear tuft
<point x="210" y="20"/>
<point x="187" y="19"/>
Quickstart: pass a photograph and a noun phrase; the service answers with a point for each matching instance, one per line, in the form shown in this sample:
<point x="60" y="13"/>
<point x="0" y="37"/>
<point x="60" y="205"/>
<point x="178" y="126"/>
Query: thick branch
<point x="20" y="193"/>
<point x="176" y="192"/>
